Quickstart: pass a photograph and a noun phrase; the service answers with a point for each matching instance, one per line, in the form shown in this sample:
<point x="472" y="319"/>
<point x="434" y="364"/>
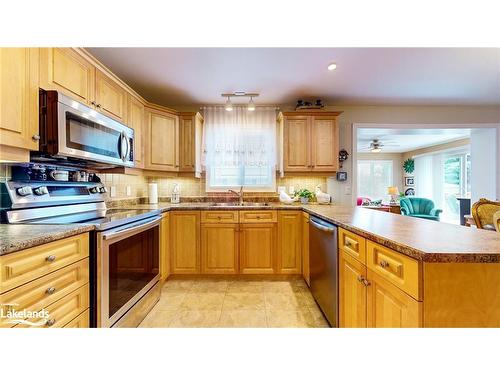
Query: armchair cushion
<point x="419" y="207"/>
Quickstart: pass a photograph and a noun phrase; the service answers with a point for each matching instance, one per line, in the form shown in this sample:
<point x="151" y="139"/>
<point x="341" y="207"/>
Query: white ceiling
<point x="180" y="77"/>
<point x="404" y="140"/>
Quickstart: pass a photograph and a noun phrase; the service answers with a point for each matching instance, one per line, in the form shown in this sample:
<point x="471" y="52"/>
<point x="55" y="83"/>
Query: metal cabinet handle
<point x="366" y="282"/>
<point x="218" y="217"/>
<point x="50" y="290"/>
<point x="384" y="264"/>
<point x="50" y="258"/>
<point x="36" y="137"/>
<point x="360" y="278"/>
<point x="98" y="106"/>
<point x="50" y="322"/>
<point x="93" y="103"/>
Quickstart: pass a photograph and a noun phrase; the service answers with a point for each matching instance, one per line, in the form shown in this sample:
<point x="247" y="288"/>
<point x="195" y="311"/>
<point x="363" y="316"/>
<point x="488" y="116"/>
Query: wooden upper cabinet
<point x="289" y="242"/>
<point x="67" y="71"/>
<point x="352" y="292"/>
<point x="185" y="242"/>
<point x="135" y="120"/>
<point x="296" y="144"/>
<point x="190" y="129"/>
<point x="162" y="152"/>
<point x="324" y="144"/>
<point x="310" y="141"/>
<point x="19" y="93"/>
<point x="110" y="97"/>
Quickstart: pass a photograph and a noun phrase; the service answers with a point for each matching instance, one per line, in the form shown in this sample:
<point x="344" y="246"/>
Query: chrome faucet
<point x="240" y="195"/>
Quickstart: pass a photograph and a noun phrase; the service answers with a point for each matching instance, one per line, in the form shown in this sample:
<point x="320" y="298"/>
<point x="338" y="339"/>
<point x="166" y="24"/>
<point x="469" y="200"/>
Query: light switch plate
<point x="112" y="192"/>
<point x="129" y="191"/>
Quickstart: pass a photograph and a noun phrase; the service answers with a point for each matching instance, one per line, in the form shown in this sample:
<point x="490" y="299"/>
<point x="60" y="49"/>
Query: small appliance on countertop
<point x="123" y="287"/>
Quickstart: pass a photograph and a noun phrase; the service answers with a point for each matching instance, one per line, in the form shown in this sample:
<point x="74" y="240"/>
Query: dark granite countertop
<point x="15" y="237"/>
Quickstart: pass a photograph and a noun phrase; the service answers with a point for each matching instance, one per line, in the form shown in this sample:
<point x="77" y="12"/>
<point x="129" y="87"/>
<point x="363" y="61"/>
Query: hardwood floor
<point x="235" y="303"/>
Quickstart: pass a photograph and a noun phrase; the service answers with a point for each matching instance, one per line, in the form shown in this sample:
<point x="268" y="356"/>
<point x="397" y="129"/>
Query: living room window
<point x="240" y="149"/>
<point x="374" y="177"/>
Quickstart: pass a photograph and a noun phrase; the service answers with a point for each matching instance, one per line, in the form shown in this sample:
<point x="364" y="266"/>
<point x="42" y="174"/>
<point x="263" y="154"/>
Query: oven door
<point x="127" y="267"/>
<point x="86" y="134"/>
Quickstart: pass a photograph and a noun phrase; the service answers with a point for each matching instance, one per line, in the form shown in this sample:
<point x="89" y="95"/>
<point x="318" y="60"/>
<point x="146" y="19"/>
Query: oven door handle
<point x="132" y="228"/>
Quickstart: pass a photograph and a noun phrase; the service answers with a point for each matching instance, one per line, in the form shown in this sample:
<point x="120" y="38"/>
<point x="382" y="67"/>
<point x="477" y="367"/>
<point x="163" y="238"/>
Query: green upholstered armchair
<point x="419" y="207"/>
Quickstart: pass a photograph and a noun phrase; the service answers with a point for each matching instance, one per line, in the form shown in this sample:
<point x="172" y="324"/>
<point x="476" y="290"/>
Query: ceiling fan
<point x="376" y="146"/>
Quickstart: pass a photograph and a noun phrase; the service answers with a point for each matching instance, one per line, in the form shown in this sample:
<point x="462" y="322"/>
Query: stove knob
<point x="24" y="191"/>
<point x="41" y="190"/>
<point x="94" y="190"/>
<point x="103" y="190"/>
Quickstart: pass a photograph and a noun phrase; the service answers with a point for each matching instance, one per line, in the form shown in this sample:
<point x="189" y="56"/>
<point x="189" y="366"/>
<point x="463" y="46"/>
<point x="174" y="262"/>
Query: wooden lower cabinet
<point x="219" y="248"/>
<point x="289" y="260"/>
<point x="390" y="307"/>
<point x="185" y="242"/>
<point x="81" y="321"/>
<point x="352" y="292"/>
<point x="258" y="248"/>
<point x="165" y="246"/>
<point x="305" y="248"/>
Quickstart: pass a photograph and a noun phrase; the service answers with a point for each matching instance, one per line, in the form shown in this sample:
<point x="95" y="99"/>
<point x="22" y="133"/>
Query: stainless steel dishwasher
<point x="323" y="267"/>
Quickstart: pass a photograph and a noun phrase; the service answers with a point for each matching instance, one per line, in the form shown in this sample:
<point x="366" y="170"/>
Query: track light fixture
<point x="250" y="106"/>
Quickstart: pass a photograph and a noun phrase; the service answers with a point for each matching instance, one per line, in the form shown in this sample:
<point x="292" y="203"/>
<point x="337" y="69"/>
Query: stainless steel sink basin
<point x="245" y="204"/>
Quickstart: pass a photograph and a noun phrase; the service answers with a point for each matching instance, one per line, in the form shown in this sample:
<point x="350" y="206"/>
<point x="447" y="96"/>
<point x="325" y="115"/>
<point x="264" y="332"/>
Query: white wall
<point x="484" y="164"/>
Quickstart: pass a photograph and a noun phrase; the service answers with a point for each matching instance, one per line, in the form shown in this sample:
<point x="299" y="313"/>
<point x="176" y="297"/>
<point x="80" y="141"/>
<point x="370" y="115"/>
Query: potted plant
<point x="305" y="195"/>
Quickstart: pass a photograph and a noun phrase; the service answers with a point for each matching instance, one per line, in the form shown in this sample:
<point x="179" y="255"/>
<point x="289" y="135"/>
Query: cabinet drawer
<point x="400" y="270"/>
<point x="256" y="216"/>
<point x="81" y="321"/>
<point x="26" y="265"/>
<point x="42" y="292"/>
<point x="219" y="217"/>
<point x="353" y="245"/>
<point x="67" y="308"/>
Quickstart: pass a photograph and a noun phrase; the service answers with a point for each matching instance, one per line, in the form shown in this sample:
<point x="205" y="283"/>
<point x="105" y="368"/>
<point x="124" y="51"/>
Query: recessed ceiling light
<point x="332" y="66"/>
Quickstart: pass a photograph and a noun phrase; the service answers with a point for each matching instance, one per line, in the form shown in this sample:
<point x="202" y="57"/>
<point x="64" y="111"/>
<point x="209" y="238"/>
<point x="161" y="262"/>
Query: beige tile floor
<point x="235" y="303"/>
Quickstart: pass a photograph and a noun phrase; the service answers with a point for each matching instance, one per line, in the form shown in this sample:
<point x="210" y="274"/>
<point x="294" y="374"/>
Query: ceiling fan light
<point x="228" y="106"/>
<point x="251" y="105"/>
<point x="376" y="149"/>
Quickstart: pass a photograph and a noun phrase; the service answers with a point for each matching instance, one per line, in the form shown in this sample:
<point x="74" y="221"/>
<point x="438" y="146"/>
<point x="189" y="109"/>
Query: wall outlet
<point x="129" y="191"/>
<point x="112" y="192"/>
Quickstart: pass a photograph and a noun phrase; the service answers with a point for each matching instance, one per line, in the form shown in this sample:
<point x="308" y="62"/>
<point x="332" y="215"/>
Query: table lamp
<point x="393" y="191"/>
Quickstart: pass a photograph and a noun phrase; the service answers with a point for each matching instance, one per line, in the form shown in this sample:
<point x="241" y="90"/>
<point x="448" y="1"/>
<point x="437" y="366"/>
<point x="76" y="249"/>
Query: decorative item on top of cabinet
<point x="162" y="140"/>
<point x="311" y="141"/>
<point x="190" y="129"/>
<point x="289" y="242"/>
<point x="19" y="104"/>
<point x="135" y="120"/>
<point x="185" y="242"/>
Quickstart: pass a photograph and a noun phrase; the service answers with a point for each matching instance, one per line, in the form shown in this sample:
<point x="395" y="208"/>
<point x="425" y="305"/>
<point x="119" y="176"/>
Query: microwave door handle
<point x="132" y="228"/>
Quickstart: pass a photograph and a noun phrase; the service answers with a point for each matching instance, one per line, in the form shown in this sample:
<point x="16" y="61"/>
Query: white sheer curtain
<point x="429" y="178"/>
<point x="240" y="148"/>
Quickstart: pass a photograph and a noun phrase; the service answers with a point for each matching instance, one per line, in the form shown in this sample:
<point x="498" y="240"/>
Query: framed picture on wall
<point x="409" y="192"/>
<point x="341" y="176"/>
<point x="409" y="181"/>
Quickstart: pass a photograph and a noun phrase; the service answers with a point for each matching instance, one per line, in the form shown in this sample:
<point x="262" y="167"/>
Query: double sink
<point x="244" y="204"/>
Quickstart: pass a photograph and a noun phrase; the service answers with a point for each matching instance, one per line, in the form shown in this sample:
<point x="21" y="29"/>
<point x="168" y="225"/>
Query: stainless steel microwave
<point x="72" y="132"/>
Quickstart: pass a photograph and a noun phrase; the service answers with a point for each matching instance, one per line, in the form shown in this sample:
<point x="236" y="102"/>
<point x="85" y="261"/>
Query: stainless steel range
<point x="125" y="246"/>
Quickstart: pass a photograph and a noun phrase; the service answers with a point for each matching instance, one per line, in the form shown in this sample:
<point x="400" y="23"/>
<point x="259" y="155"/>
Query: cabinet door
<point x="19" y="93"/>
<point x="135" y="120"/>
<point x="162" y="140"/>
<point x="219" y="248"/>
<point x="257" y="248"/>
<point x="110" y="97"/>
<point x="390" y="307"/>
<point x="186" y="144"/>
<point x="185" y="242"/>
<point x="290" y="242"/>
<point x="165" y="246"/>
<point x="324" y="144"/>
<point x="352" y="292"/>
<point x="65" y="70"/>
<point x="305" y="248"/>
<point x="296" y="144"/>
